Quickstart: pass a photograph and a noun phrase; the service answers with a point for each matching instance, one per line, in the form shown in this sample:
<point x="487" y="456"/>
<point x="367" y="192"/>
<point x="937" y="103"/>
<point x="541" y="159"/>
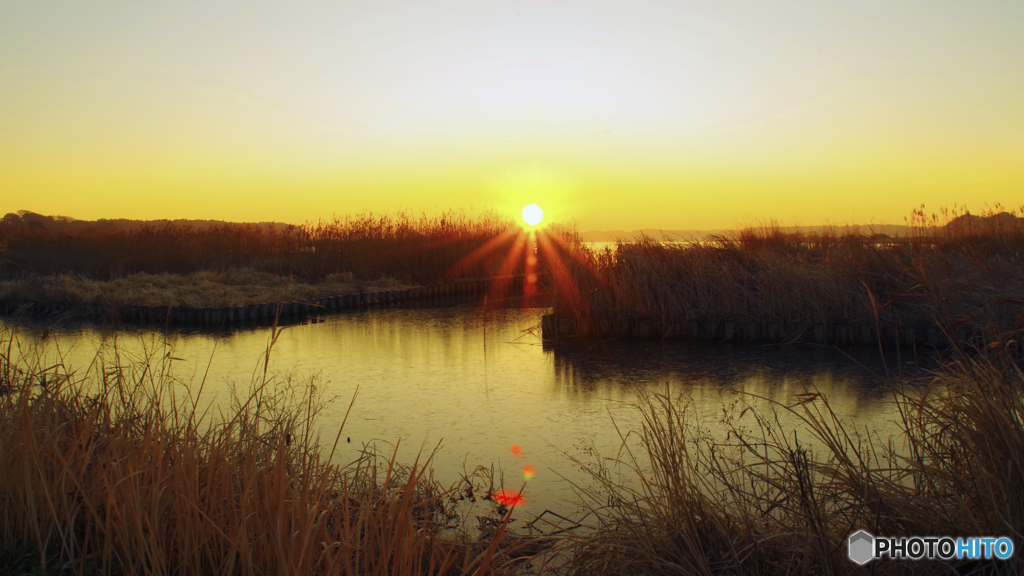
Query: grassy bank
<point x="961" y="271"/>
<point x="96" y="268"/>
<point x="121" y="470"/>
<point x="232" y="287"/>
<point x="778" y="501"/>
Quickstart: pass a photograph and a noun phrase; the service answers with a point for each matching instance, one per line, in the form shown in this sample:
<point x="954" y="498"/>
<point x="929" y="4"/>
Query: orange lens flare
<point x="529" y="471"/>
<point x="561" y="274"/>
<point x="508" y="498"/>
<point x="555" y="240"/>
<point x="492" y="245"/>
<point x="517" y="449"/>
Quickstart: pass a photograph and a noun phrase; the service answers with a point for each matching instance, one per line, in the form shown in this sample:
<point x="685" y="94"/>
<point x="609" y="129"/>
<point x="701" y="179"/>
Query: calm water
<point x="479" y="381"/>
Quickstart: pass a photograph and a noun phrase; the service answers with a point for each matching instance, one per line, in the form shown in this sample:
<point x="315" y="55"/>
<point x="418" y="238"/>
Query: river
<point x="479" y="381"/>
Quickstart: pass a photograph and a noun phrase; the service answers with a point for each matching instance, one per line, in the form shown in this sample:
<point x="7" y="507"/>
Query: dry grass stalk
<point x="122" y="469"/>
<point x="771" y="499"/>
<point x="367" y="246"/>
<point x="968" y="271"/>
<point x="777" y="501"/>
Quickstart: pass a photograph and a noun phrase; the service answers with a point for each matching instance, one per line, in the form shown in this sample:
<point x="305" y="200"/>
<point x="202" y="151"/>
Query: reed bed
<point x="210" y="288"/>
<point x="959" y="270"/>
<point x="368" y="246"/>
<point x="773" y="500"/>
<point x="124" y="469"/>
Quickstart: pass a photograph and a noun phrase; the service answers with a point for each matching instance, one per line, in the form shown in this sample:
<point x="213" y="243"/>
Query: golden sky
<point x="620" y="115"/>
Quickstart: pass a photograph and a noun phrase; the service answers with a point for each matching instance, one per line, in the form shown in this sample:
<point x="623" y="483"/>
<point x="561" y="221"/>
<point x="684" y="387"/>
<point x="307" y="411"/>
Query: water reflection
<point x="479" y="381"/>
<point x="713" y="375"/>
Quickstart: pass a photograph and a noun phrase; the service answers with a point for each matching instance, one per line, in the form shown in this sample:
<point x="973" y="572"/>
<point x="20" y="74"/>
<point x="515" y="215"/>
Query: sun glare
<point x="532" y="214"/>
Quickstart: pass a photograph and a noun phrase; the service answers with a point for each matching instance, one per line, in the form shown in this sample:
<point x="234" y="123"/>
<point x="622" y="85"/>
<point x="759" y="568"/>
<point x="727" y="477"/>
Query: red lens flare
<point x="517" y="449"/>
<point x="557" y="268"/>
<point x="480" y="254"/>
<point x="508" y="498"/>
<point x="510" y="258"/>
<point x="529" y="471"/>
<point x="501" y="288"/>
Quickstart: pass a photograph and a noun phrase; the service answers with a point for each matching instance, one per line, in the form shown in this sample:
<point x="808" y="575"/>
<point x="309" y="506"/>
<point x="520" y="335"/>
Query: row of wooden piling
<point x="266" y="313"/>
<point x="829" y="332"/>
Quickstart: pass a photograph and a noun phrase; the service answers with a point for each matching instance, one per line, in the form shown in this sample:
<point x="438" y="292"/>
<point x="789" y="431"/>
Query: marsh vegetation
<point x="123" y="469"/>
<point x="368" y="246"/>
<point x="126" y="469"/>
<point x="960" y="271"/>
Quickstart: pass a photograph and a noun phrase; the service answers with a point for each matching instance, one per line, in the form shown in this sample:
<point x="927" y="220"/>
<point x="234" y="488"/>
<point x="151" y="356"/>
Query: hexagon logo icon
<point x="860" y="545"/>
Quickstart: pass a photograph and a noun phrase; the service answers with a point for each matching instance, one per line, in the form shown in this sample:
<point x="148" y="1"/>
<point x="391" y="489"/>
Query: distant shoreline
<point x="703" y="234"/>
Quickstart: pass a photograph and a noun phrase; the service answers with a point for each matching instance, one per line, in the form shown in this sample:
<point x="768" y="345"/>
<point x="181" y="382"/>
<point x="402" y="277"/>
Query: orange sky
<point x="620" y="115"/>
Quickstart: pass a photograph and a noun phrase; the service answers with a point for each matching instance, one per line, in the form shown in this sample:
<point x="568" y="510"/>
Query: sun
<point x="532" y="214"/>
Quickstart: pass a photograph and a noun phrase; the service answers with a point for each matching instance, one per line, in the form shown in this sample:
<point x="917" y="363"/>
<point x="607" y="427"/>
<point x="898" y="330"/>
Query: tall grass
<point x="775" y="500"/>
<point x="369" y="246"/>
<point x="123" y="469"/>
<point x="965" y="270"/>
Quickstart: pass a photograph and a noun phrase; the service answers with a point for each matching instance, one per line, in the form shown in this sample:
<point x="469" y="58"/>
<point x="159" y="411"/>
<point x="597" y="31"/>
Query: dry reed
<point x="967" y="271"/>
<point x="774" y="499"/>
<point x="368" y="246"/>
<point x="123" y="469"/>
<point x="778" y="500"/>
<point x="232" y="287"/>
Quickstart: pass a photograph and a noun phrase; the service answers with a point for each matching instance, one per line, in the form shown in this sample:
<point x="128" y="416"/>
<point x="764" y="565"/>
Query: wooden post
<point x="842" y="333"/>
<point x="752" y="331"/>
<point x="547" y="329"/>
<point x="643" y="328"/>
<point x="819" y="333"/>
<point x="564" y="326"/>
<point x="729" y="330"/>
